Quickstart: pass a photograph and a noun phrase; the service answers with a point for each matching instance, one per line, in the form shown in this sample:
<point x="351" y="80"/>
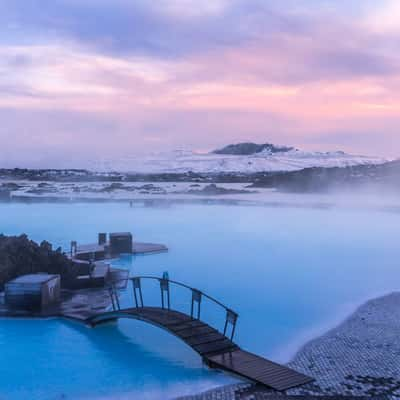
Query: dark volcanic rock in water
<point x="112" y="187"/>
<point x="5" y="195"/>
<point x="244" y="149"/>
<point x="213" y="189"/>
<point x="10" y="186"/>
<point x="6" y="189"/>
<point x="20" y="256"/>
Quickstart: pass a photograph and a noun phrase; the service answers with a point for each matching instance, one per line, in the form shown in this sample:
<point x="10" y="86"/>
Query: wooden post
<point x="231" y="318"/>
<point x="112" y="297"/>
<point x="136" y="284"/>
<point x="134" y="294"/>
<point x="74" y="246"/>
<point x="116" y="297"/>
<point x="196" y="298"/>
<point x="141" y="296"/>
<point x="164" y="288"/>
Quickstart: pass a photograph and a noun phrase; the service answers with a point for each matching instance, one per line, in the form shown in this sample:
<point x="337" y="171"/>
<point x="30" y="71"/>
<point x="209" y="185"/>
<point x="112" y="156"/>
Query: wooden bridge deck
<point x="259" y="369"/>
<point x="216" y="349"/>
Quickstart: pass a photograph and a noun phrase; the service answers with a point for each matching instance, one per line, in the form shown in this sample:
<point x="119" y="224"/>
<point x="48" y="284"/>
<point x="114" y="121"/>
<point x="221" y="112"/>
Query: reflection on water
<point x="287" y="271"/>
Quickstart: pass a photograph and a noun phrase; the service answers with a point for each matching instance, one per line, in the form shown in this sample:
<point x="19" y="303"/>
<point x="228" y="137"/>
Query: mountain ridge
<point x="249" y="148"/>
<point x="234" y="158"/>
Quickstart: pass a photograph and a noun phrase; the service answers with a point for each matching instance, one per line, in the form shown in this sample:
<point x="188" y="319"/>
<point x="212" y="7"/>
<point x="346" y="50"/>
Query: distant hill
<point x="248" y="148"/>
<point x="241" y="158"/>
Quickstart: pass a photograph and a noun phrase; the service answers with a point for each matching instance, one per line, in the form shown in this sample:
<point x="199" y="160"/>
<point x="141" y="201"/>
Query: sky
<point x="86" y="79"/>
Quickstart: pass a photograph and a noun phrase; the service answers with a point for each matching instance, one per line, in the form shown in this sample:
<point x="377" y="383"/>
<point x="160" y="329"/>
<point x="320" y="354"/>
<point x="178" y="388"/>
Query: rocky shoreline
<point x="320" y="179"/>
<point x="360" y="357"/>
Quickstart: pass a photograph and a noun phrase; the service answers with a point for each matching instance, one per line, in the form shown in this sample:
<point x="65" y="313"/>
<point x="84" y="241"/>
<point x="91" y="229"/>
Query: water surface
<point x="288" y="272"/>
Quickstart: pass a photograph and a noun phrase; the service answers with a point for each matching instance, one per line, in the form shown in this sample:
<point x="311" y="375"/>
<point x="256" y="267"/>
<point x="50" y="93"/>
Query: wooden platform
<point x="215" y="348"/>
<point x="146" y="248"/>
<point x="259" y="370"/>
<point x="86" y="251"/>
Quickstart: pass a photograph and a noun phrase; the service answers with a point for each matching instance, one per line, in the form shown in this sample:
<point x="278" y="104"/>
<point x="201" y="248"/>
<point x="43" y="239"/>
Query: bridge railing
<point x="195" y="305"/>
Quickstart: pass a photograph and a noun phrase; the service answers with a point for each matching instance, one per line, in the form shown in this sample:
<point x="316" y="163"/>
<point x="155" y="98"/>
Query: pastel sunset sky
<point x="81" y="79"/>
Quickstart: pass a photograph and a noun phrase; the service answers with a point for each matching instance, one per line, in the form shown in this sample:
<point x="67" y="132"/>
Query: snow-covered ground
<point x="181" y="161"/>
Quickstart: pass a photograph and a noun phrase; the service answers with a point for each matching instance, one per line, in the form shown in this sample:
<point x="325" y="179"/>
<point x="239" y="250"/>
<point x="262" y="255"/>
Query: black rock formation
<point x="383" y="176"/>
<point x="244" y="149"/>
<point x="212" y="189"/>
<point x="20" y="256"/>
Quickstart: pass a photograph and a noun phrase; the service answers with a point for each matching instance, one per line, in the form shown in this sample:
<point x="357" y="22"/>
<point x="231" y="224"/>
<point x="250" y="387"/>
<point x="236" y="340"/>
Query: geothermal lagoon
<point x="290" y="272"/>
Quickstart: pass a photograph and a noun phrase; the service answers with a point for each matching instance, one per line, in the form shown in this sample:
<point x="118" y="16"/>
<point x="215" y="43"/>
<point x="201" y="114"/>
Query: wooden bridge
<point x="216" y="348"/>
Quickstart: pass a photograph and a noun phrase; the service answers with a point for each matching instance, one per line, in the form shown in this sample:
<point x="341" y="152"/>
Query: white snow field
<point x="181" y="161"/>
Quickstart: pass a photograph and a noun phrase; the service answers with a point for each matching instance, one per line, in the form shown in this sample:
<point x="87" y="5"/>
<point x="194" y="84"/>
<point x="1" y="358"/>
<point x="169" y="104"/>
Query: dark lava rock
<point x="44" y="184"/>
<point x="151" y="188"/>
<point x="319" y="179"/>
<point x="243" y="149"/>
<point x="148" y="186"/>
<point x="5" y="194"/>
<point x="43" y="188"/>
<point x="10" y="186"/>
<point x="20" y="256"/>
<point x="213" y="189"/>
<point x="113" y="186"/>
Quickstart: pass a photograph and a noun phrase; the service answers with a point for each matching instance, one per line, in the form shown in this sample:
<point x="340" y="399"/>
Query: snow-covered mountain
<point x="182" y="161"/>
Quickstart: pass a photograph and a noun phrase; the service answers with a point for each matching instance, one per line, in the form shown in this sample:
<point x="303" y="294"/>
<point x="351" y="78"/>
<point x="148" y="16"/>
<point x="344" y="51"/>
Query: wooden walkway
<point x="259" y="369"/>
<point x="215" y="347"/>
<point x="97" y="251"/>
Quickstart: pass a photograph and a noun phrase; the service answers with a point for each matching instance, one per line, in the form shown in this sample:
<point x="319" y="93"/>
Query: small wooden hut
<point x="33" y="291"/>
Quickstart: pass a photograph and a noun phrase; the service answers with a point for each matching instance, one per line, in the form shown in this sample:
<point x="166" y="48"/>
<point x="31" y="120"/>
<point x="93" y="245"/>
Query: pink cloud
<point x="293" y="89"/>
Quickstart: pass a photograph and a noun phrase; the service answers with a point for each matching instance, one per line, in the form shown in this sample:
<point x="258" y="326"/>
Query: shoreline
<point x="287" y="353"/>
<point x="358" y="357"/>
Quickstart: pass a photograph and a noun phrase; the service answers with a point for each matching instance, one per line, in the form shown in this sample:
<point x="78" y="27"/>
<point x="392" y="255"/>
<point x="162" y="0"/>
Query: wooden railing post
<point x="110" y="292"/>
<point x="114" y="298"/>
<point x="231" y="318"/>
<point x="74" y="246"/>
<point x="164" y="288"/>
<point x="137" y="286"/>
<point x="196" y="298"/>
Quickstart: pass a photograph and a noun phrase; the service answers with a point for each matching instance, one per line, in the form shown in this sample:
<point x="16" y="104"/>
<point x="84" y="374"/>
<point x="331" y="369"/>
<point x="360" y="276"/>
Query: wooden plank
<point x="211" y="337"/>
<point x="189" y="320"/>
<point x="185" y="325"/>
<point x="276" y="372"/>
<point x="171" y="317"/>
<point x="187" y="333"/>
<point x="161" y="319"/>
<point x="219" y="345"/>
<point x="260" y="370"/>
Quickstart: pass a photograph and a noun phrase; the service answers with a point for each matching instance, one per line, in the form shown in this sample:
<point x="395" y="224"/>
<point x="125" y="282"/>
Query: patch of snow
<point x="182" y="161"/>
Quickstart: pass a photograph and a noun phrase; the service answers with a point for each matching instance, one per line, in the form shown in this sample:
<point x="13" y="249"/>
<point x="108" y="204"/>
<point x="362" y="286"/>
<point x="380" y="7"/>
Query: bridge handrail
<point x="187" y="287"/>
<point x="230" y="318"/>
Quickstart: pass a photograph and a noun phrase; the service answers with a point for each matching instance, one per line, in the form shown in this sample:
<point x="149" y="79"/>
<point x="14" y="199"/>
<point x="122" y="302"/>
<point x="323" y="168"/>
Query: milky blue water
<point x="289" y="272"/>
